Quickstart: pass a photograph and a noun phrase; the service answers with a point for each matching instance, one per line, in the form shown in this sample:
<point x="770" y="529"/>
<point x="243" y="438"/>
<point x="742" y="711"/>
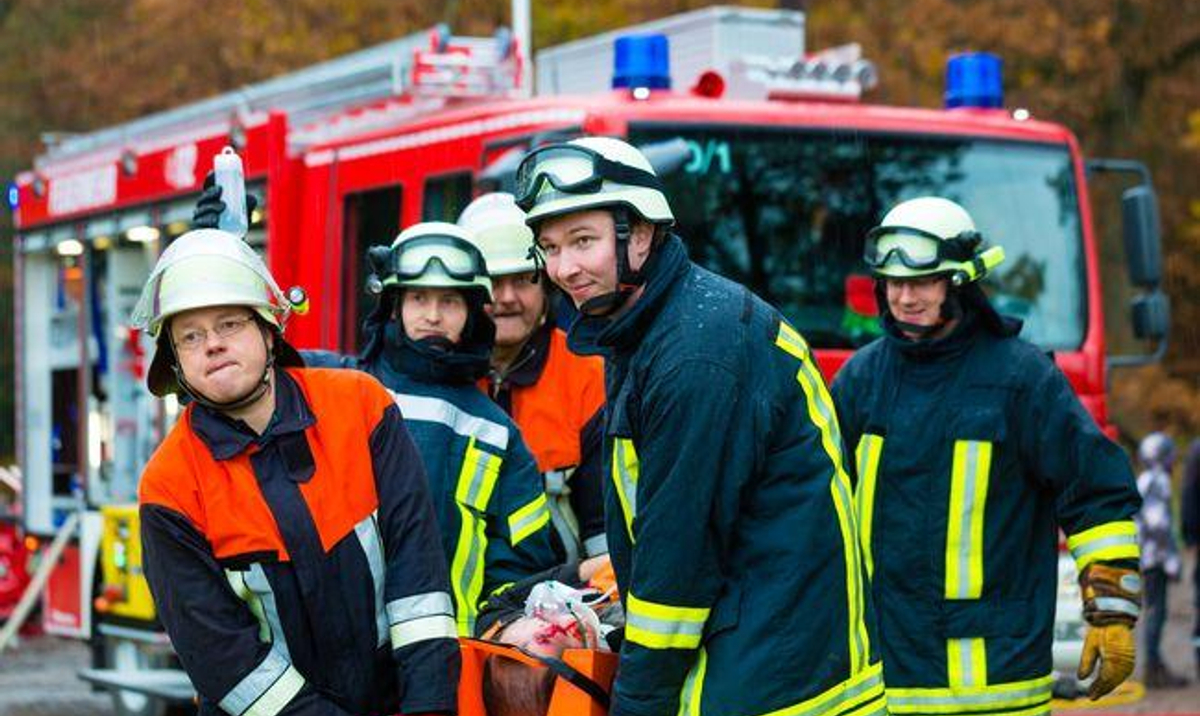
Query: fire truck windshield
<point x="785" y="212"/>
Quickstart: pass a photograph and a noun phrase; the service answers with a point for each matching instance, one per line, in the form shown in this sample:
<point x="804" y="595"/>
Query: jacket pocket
<point x="980" y="424"/>
<point x="987" y="619"/>
<point x="725" y="613"/>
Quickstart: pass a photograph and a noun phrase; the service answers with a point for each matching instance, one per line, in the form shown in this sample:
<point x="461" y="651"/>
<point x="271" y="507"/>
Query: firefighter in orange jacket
<point x="288" y="535"/>
<point x="555" y="396"/>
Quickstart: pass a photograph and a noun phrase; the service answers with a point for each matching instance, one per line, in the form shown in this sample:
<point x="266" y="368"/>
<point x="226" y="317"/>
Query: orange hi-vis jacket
<point x="556" y="398"/>
<point x="301" y="571"/>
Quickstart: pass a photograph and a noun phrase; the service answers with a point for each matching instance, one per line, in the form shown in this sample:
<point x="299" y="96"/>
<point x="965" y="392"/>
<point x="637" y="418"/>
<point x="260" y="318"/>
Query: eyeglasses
<point x="916" y="248"/>
<point x="195" y="338"/>
<point x="572" y="169"/>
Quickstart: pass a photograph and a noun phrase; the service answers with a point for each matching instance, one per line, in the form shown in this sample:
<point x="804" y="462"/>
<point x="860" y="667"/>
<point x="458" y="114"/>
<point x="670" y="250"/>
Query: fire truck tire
<point x="124" y="654"/>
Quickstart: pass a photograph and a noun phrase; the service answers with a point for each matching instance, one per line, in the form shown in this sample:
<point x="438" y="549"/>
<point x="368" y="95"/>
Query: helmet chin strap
<point x="252" y="396"/>
<point x="628" y="280"/>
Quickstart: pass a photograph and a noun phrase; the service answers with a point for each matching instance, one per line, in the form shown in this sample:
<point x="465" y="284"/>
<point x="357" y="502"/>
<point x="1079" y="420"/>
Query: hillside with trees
<point x="1123" y="74"/>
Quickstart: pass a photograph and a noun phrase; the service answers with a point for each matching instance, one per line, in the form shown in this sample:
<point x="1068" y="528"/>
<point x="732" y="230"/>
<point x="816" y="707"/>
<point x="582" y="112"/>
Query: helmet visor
<point x="571" y="169"/>
<point x="459" y="259"/>
<point x="915" y="248"/>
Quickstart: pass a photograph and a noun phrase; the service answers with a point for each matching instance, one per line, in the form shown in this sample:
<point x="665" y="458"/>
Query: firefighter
<point x="729" y="513"/>
<point x="554" y="396"/>
<point x="972" y="452"/>
<point x="429" y="342"/>
<point x="287" y="531"/>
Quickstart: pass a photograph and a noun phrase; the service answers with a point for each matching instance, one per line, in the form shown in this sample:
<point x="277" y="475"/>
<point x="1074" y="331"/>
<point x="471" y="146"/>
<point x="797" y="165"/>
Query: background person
<point x="288" y="536"/>
<point x="972" y="451"/>
<point x="1160" y="556"/>
<point x="729" y="515"/>
<point x="554" y="396"/>
<point x="429" y="342"/>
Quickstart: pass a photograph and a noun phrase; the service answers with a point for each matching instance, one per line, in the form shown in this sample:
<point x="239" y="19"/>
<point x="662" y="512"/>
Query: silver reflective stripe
<point x="970" y="477"/>
<point x="527" y="520"/>
<point x="668" y="628"/>
<point x="597" y="545"/>
<point x="475" y="488"/>
<point x="419" y="605"/>
<point x="421" y="617"/>
<point x="1117" y="604"/>
<point x="831" y="706"/>
<point x="267" y="689"/>
<point x="854" y="586"/>
<point x="256" y="581"/>
<point x="823" y="402"/>
<point x="423" y="629"/>
<point x="556" y="481"/>
<point x="476" y="483"/>
<point x="418" y="407"/>
<point x="562" y="518"/>
<point x="372" y="545"/>
<point x="628" y="482"/>
<point x="991" y="697"/>
<point x="966" y="672"/>
<point x="1103" y="543"/>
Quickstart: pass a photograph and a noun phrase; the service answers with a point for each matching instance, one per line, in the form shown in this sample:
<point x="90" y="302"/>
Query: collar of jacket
<point x="225" y="437"/>
<point x="530" y="361"/>
<point x="664" y="272"/>
<point x="427" y="364"/>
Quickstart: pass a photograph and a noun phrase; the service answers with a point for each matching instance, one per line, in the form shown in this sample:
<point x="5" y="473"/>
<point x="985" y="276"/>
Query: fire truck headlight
<point x="69" y="247"/>
<point x="142" y="234"/>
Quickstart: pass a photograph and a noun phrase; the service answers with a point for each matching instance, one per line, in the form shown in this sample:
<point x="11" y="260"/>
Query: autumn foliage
<point x="1123" y="74"/>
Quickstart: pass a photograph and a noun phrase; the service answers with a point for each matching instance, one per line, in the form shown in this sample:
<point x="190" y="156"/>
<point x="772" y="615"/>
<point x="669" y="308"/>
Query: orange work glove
<point x="1111" y="599"/>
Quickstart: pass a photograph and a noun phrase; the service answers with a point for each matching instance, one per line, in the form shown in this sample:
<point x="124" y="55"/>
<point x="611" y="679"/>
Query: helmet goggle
<point x="572" y="169"/>
<point x="459" y="259"/>
<point x="916" y="248"/>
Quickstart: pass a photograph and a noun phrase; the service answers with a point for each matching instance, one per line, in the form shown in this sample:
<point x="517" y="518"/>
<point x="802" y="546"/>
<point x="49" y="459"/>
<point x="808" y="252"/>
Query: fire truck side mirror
<point x="1151" y="316"/>
<point x="1143" y="247"/>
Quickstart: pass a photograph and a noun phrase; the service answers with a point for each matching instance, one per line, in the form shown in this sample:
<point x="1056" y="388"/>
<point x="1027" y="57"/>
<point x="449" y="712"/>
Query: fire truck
<point x="776" y="167"/>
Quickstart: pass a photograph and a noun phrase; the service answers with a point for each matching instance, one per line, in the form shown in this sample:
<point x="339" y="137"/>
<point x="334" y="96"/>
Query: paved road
<point x="38" y="679"/>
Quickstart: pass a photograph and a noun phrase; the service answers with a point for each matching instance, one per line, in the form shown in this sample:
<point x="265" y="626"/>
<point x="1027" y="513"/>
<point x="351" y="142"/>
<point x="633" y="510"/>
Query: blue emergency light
<point x="642" y="61"/>
<point x="974" y="79"/>
<point x="14" y="197"/>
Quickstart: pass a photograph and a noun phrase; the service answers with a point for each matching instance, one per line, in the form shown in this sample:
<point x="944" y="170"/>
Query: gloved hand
<point x="209" y="207"/>
<point x="1113" y="647"/>
<point x="1111" y="602"/>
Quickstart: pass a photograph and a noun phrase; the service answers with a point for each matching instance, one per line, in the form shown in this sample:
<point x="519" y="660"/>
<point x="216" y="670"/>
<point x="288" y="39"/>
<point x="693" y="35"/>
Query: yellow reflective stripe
<point x="664" y="626"/>
<point x="974" y="699"/>
<point x="1106" y="542"/>
<point x="822" y="415"/>
<point x="237" y="582"/>
<point x="791" y="342"/>
<point x="840" y="490"/>
<point x="855" y="692"/>
<point x="476" y="482"/>
<point x="870" y="448"/>
<point x="625" y="479"/>
<point x="964" y="524"/>
<point x="693" y="686"/>
<point x="966" y="662"/>
<point x="528" y="519"/>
